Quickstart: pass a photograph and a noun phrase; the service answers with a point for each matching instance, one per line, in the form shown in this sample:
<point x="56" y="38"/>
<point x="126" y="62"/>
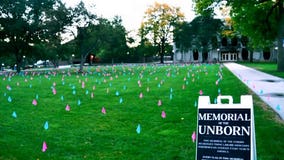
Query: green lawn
<point x="267" y="67"/>
<point x="85" y="132"/>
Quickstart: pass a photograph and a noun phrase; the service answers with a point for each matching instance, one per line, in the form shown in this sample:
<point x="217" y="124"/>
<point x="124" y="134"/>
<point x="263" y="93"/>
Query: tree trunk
<point x="83" y="59"/>
<point x="163" y="46"/>
<point x="251" y="56"/>
<point x="280" y="54"/>
<point x="19" y="61"/>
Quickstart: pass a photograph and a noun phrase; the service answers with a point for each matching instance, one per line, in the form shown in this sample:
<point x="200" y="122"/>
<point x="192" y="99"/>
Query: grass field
<point x="119" y="112"/>
<point x="267" y="67"/>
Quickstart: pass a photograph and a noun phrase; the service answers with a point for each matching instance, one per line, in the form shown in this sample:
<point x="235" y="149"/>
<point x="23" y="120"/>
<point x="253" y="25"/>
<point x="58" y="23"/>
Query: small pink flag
<point x="201" y="92"/>
<point x="103" y="110"/>
<point x="9" y="88"/>
<point x="217" y="82"/>
<point x="67" y="108"/>
<point x="34" y="102"/>
<point x="141" y="95"/>
<point x="193" y="137"/>
<point x="268" y="97"/>
<point x="54" y="91"/>
<point x="163" y="114"/>
<point x="159" y="102"/>
<point x="83" y="84"/>
<point x="44" y="147"/>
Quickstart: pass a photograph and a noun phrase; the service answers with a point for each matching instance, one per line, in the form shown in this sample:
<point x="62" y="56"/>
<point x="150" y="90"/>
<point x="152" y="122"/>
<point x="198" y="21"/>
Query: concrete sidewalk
<point x="269" y="88"/>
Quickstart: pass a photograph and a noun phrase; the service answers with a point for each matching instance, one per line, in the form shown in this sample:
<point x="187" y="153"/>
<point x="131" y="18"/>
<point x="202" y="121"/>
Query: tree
<point x="182" y="35"/>
<point x="262" y="29"/>
<point x="114" y="38"/>
<point x="83" y="20"/>
<point x="158" y="24"/>
<point x="201" y="32"/>
<point x="23" y="24"/>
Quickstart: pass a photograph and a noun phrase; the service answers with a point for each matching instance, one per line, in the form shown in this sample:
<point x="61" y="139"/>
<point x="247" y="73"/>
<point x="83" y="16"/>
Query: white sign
<point x="225" y="131"/>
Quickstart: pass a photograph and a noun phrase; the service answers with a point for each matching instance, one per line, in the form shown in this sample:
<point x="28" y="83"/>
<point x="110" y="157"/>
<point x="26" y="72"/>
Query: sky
<point x="131" y="11"/>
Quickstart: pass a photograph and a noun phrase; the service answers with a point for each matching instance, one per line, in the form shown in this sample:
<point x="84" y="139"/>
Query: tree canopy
<point x="24" y="24"/>
<point x="260" y="20"/>
<point x="201" y="32"/>
<point x="158" y="25"/>
<point x="34" y="29"/>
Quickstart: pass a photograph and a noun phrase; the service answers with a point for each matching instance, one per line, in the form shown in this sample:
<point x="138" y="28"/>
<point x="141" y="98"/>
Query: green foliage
<point x="106" y="39"/>
<point x="267" y="67"/>
<point x="201" y="32"/>
<point x="247" y="23"/>
<point x="25" y="24"/>
<point x="158" y="24"/>
<point x="261" y="21"/>
<point x="182" y="34"/>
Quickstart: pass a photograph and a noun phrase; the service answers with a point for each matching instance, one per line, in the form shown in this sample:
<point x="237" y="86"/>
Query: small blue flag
<point x="215" y="101"/>
<point x="138" y="129"/>
<point x="14" y="114"/>
<point x="9" y="99"/>
<point x="278" y="107"/>
<point x="46" y="125"/>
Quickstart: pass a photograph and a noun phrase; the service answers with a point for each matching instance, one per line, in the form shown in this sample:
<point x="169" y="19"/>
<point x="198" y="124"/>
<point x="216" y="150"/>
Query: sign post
<point x="225" y="131"/>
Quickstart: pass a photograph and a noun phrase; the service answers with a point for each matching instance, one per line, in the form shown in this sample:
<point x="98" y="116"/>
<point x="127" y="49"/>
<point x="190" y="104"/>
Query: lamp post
<point x="275" y="53"/>
<point x="24" y="57"/>
<point x="218" y="51"/>
<point x="91" y="59"/>
<point x="72" y="58"/>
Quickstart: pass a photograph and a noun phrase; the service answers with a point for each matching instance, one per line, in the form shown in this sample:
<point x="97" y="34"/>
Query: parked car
<point x="42" y="64"/>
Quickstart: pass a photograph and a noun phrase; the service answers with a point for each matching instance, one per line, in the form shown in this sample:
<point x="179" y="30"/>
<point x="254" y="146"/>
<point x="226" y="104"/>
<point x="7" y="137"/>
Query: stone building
<point x="229" y="50"/>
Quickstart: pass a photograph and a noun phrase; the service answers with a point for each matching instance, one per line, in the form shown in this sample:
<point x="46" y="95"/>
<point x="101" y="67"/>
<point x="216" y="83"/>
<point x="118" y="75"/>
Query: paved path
<point x="269" y="88"/>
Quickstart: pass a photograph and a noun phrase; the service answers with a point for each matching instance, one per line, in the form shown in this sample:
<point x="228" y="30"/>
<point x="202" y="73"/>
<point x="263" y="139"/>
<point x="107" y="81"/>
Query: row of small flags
<point x="117" y="93"/>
